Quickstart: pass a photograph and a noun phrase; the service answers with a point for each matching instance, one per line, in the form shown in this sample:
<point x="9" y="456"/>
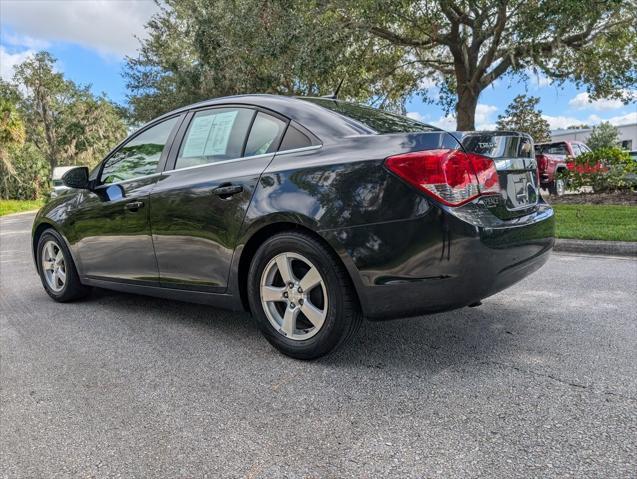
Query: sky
<point x="91" y="38"/>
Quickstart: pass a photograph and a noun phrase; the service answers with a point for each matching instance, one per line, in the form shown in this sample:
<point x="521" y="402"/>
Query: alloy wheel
<point x="53" y="266"/>
<point x="293" y="296"/>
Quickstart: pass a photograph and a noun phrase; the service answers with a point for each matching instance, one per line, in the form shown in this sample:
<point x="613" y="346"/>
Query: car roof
<point x="319" y="120"/>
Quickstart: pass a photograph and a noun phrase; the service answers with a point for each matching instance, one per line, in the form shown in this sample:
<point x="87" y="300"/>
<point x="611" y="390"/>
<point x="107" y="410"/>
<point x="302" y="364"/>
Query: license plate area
<point x="519" y="189"/>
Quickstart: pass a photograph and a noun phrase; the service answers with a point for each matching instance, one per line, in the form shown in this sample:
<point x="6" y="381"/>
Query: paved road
<point x="539" y="381"/>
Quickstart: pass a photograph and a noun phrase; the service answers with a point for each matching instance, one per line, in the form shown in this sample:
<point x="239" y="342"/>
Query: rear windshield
<point x="377" y="120"/>
<point x="552" y="149"/>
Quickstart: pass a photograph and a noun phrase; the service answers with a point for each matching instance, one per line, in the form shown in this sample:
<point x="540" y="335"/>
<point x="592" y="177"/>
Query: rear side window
<point x="552" y="149"/>
<point x="378" y="120"/>
<point x="214" y="135"/>
<point x="294" y="138"/>
<point x="265" y="135"/>
<point x="139" y="156"/>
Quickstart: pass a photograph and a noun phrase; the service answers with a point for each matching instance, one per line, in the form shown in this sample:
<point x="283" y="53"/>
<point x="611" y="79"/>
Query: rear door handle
<point x="226" y="191"/>
<point x="134" y="205"/>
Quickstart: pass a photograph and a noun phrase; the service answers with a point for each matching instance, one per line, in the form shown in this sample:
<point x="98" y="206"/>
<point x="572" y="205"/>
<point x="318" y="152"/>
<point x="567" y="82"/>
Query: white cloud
<point x="538" y="78"/>
<point x="446" y="122"/>
<point x="582" y="101"/>
<point x="414" y="115"/>
<point x="623" y="119"/>
<point x="24" y="41"/>
<point x="483" y="115"/>
<point x="427" y="82"/>
<point x="109" y="27"/>
<point x="8" y="61"/>
<point x="483" y="119"/>
<point x="562" y="122"/>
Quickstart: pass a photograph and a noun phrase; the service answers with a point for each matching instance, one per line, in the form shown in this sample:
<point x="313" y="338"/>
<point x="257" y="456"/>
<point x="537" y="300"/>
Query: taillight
<point x="452" y="177"/>
<point x="541" y="162"/>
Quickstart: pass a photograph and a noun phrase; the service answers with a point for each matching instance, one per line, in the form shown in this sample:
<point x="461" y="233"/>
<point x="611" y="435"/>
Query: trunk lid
<point x="514" y="159"/>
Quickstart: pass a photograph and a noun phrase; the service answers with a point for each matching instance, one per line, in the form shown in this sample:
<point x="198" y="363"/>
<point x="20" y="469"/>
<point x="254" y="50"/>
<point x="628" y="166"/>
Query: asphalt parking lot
<point x="541" y="380"/>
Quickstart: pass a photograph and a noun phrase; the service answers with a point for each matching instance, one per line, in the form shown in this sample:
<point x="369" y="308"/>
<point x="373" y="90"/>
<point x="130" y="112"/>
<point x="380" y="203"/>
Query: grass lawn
<point x="596" y="222"/>
<point x="15" y="206"/>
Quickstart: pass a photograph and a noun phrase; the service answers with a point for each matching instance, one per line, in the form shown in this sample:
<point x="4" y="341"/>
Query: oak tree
<point x="383" y="50"/>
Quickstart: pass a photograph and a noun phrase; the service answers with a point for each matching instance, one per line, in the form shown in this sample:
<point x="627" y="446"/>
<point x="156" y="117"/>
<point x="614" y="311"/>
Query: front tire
<point x="57" y="269"/>
<point x="301" y="296"/>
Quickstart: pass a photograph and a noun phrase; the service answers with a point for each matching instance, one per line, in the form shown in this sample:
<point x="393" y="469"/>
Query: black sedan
<point x="310" y="213"/>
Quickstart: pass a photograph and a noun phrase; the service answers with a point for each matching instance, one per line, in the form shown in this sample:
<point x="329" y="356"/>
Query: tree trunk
<point x="466" y="109"/>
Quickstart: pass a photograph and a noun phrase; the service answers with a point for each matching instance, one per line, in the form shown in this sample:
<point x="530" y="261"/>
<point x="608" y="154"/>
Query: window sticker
<point x="217" y="143"/>
<point x="209" y="135"/>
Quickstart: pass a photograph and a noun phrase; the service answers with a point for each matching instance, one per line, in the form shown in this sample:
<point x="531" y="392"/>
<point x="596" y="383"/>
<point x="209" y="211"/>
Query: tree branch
<point x="401" y="40"/>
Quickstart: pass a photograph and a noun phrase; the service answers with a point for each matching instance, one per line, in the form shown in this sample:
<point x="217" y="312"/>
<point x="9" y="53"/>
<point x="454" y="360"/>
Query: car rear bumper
<point x="439" y="261"/>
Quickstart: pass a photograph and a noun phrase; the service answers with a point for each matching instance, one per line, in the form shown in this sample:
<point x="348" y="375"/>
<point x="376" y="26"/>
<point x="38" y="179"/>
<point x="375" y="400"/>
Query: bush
<point x="30" y="181"/>
<point x="605" y="169"/>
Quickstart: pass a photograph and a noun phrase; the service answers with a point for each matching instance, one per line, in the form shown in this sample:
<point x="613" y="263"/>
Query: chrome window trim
<point x="106" y="185"/>
<point x="233" y="160"/>
<point x="297" y="150"/>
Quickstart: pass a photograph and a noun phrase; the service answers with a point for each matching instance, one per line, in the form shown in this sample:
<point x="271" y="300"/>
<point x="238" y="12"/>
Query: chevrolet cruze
<point x="311" y="213"/>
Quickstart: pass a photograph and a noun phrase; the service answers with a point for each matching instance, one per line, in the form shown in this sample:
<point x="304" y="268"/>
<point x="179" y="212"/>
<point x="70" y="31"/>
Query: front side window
<point x="140" y="156"/>
<point x="264" y="135"/>
<point x="214" y="135"/>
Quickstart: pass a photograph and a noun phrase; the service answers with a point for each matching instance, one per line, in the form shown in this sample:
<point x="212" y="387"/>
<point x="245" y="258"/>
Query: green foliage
<point x="69" y="125"/>
<point x="50" y="121"/>
<point x="604" y="169"/>
<point x="196" y="49"/>
<point x="12" y="134"/>
<point x="603" y="135"/>
<point x="522" y="115"/>
<point x="29" y="179"/>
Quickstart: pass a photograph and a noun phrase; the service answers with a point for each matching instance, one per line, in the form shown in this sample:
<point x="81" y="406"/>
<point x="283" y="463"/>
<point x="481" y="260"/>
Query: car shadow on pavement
<point x="422" y="343"/>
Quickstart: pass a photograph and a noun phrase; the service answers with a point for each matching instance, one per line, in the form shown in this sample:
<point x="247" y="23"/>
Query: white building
<point x="627" y="135"/>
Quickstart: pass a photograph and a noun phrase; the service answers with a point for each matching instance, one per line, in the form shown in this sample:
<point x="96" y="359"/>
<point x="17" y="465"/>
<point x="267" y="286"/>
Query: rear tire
<point x="279" y="303"/>
<point x="557" y="187"/>
<point x="57" y="269"/>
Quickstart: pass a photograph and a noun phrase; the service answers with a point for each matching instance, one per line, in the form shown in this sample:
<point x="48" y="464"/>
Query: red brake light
<point x="452" y="177"/>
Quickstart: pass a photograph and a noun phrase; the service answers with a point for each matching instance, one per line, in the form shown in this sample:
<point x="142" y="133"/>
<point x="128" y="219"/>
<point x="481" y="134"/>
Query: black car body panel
<point x="405" y="253"/>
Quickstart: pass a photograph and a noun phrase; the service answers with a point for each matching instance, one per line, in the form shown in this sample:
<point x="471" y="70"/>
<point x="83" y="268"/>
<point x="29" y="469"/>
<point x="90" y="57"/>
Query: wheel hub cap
<point x="293" y="296"/>
<point x="53" y="266"/>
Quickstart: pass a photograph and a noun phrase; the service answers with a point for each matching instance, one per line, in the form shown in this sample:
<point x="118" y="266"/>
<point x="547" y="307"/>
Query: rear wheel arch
<point x="260" y="236"/>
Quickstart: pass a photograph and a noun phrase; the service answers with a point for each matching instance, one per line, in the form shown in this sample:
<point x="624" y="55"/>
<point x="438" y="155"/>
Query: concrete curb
<point x="612" y="248"/>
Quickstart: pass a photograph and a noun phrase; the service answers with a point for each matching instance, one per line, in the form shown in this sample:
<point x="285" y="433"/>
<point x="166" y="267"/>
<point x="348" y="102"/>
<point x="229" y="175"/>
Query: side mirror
<point x="76" y="178"/>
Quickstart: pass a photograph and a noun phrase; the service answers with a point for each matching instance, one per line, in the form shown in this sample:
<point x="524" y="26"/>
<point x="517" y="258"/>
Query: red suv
<point x="554" y="158"/>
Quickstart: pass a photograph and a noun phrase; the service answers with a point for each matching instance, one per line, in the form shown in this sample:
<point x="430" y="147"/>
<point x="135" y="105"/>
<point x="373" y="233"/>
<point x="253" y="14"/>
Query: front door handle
<point x="226" y="191"/>
<point x="134" y="205"/>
